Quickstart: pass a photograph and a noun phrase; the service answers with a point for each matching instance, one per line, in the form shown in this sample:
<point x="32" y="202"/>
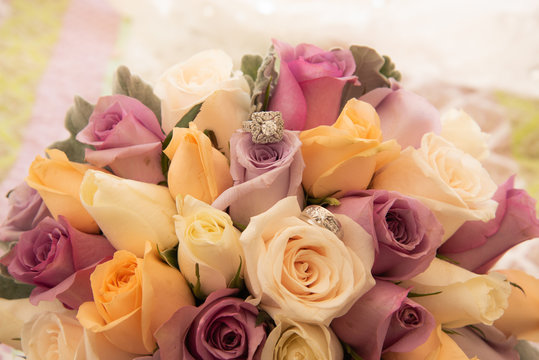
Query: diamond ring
<point x="265" y="127"/>
<point x="318" y="215"/>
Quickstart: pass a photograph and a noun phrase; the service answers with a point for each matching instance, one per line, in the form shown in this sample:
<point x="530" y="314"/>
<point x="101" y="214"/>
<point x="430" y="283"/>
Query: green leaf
<point x="451" y="331"/>
<point x="11" y="289"/>
<point x="250" y="65"/>
<point x="264" y="318"/>
<point x="324" y="200"/>
<point x="211" y="134"/>
<point x="413" y="295"/>
<point x="478" y="331"/>
<point x="388" y="69"/>
<point x="526" y="351"/>
<point x="266" y="81"/>
<point x="445" y="258"/>
<point x="517" y="286"/>
<point x="237" y="281"/>
<point x="170" y="256"/>
<point x="349" y="353"/>
<point x="196" y="288"/>
<point x="131" y="85"/>
<point x="76" y="119"/>
<point x="368" y="66"/>
<point x="240" y="227"/>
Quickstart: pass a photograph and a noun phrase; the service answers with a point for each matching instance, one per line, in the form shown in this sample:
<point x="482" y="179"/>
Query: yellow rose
<point x="206" y="77"/>
<point x="521" y="318"/>
<point x="465" y="298"/>
<point x="208" y="238"/>
<point x="345" y="155"/>
<point x="450" y="182"/>
<point x="461" y="129"/>
<point x="196" y="168"/>
<point x="130" y="212"/>
<point x="58" y="182"/>
<point x="132" y="298"/>
<point x="439" y="346"/>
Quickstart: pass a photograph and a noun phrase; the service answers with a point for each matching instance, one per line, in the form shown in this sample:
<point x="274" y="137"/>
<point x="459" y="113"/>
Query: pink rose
<point x="127" y="137"/>
<point x="311" y="80"/>
<point x="58" y="259"/>
<point x="477" y="245"/>
<point x="263" y="174"/>
<point x="382" y="320"/>
<point x="404" y="116"/>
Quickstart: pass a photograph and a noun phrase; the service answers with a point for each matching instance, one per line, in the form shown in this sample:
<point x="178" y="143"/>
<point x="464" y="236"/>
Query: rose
<point x="205" y="77"/>
<point x="383" y="320"/>
<point x="130" y="212"/>
<point x="263" y="174"/>
<point x="223" y="327"/>
<point x="127" y="137"/>
<point x="404" y="115"/>
<point x="57" y="180"/>
<point x="196" y="168"/>
<point x="311" y="80"/>
<point x="51" y="335"/>
<point x="343" y="157"/>
<point x="58" y="259"/>
<point x="453" y="184"/>
<point x="133" y="297"/>
<point x="477" y="245"/>
<point x="458" y="297"/>
<point x="207" y="238"/>
<point x="459" y="128"/>
<point x="301" y="271"/>
<point x="522" y="315"/>
<point x="407" y="233"/>
<point x="26" y="210"/>
<point x="304" y="341"/>
<point x="485" y="342"/>
<point x="439" y="346"/>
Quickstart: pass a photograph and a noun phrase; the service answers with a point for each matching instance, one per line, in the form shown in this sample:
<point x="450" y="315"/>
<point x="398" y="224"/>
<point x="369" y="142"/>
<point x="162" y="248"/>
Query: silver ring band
<point x="320" y="216"/>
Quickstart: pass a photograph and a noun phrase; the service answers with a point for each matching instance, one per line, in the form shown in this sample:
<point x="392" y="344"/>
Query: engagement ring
<point x="318" y="215"/>
<point x="265" y="127"/>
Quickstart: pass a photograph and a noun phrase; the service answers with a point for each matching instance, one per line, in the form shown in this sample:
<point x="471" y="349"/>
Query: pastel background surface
<point x="481" y="56"/>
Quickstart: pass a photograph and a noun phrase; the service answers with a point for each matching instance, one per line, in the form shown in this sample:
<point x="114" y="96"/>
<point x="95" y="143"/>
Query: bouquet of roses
<point x="305" y="207"/>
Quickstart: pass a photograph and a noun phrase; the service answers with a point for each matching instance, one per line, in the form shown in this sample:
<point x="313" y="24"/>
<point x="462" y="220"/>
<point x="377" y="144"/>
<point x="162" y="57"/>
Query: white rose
<point x="453" y="184"/>
<point x="459" y="128"/>
<point x="205" y="77"/>
<point x="305" y="272"/>
<point x="465" y="298"/>
<point x="129" y="212"/>
<point x="208" y="238"/>
<point x="293" y="340"/>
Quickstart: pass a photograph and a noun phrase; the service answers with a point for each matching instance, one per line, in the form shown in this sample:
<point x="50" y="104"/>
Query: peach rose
<point x="450" y="182"/>
<point x="58" y="182"/>
<point x="132" y="298"/>
<point x="196" y="168"/>
<point x="344" y="156"/>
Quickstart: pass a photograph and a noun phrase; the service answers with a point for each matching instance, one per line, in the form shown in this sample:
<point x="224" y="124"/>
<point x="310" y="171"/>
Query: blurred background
<point x="481" y="56"/>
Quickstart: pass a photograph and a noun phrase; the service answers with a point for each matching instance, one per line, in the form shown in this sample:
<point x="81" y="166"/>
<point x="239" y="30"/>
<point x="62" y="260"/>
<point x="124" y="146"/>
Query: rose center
<point x="395" y="225"/>
<point x="408" y="316"/>
<point x="106" y="124"/>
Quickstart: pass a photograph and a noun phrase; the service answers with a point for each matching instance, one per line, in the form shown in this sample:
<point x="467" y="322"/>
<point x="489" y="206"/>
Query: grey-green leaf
<point x="389" y="70"/>
<point x="266" y="81"/>
<point x="250" y="65"/>
<point x="526" y="351"/>
<point x="131" y="85"/>
<point x="10" y="289"/>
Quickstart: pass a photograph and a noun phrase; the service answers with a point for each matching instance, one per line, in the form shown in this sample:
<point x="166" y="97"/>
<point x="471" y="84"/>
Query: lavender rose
<point x="407" y="233"/>
<point x="485" y="342"/>
<point x="127" y="137"/>
<point x="382" y="320"/>
<point x="58" y="259"/>
<point x="477" y="245"/>
<point x="310" y="85"/>
<point x="223" y="328"/>
<point x="263" y="174"/>
<point x="26" y="210"/>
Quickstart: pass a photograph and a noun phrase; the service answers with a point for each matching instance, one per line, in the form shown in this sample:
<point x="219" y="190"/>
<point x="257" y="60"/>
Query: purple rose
<point x="311" y="80"/>
<point x="382" y="320"/>
<point x="477" y="245"/>
<point x="26" y="210"/>
<point x="407" y="233"/>
<point x="485" y="342"/>
<point x="58" y="259"/>
<point x="127" y="137"/>
<point x="263" y="174"/>
<point x="223" y="328"/>
<point x="404" y="116"/>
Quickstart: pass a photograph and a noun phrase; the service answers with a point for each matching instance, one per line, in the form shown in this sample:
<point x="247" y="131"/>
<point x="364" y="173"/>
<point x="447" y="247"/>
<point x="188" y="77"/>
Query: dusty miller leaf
<point x="10" y="289"/>
<point x="266" y="81"/>
<point x="76" y="119"/>
<point x="526" y="351"/>
<point x="131" y="85"/>
<point x="388" y="69"/>
<point x="250" y="65"/>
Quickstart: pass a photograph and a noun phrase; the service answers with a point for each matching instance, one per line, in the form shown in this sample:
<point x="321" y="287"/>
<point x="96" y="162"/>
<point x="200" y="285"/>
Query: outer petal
<point x="288" y="98"/>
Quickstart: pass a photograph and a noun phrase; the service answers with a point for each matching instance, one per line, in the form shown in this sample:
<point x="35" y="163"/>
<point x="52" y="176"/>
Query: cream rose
<point x="132" y="298"/>
<point x="453" y="184"/>
<point x="206" y="77"/>
<point x="129" y="212"/>
<point x="461" y="129"/>
<point x="305" y="272"/>
<point x="293" y="340"/>
<point x="208" y="238"/>
<point x="465" y="298"/>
